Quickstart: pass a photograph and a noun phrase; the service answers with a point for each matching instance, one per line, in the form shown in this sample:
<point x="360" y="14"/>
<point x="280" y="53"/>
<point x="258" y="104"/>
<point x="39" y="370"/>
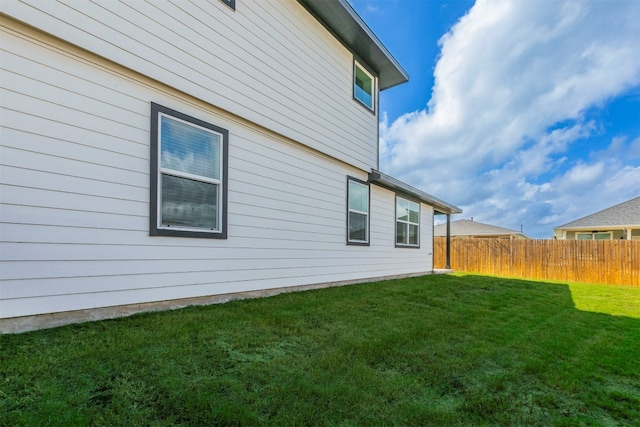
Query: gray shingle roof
<point x="467" y="227"/>
<point x="623" y="214"/>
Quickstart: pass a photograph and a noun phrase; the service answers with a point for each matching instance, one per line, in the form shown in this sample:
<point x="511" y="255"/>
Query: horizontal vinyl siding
<point x="398" y="260"/>
<point x="75" y="188"/>
<point x="270" y="62"/>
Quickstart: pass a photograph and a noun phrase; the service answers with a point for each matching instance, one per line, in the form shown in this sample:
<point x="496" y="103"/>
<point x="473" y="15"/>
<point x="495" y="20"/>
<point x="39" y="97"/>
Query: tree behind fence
<point x="590" y="261"/>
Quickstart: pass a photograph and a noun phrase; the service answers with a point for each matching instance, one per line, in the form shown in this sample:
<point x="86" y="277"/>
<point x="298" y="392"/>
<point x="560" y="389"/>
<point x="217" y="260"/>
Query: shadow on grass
<point x="433" y="350"/>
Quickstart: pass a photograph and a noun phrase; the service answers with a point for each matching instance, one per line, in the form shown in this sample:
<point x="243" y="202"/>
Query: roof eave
<point x="597" y="227"/>
<point x="386" y="181"/>
<point x="347" y="26"/>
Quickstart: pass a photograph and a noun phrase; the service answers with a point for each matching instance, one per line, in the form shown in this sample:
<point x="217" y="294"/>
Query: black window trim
<point x="154" y="230"/>
<point x="395" y="221"/>
<point x="357" y="242"/>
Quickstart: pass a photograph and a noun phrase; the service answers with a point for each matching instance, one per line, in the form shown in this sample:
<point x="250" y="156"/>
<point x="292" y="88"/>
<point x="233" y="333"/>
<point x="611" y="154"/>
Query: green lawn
<point x="435" y="350"/>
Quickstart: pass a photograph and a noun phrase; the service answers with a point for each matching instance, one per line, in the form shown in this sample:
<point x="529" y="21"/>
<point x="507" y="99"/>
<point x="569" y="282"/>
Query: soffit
<point x="391" y="183"/>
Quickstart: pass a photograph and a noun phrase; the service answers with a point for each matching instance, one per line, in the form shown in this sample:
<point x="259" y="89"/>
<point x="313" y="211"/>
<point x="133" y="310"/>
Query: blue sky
<point x="520" y="112"/>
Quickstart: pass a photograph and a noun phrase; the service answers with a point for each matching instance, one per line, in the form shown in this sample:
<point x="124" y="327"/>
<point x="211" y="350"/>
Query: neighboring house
<point x="160" y="154"/>
<point x="621" y="221"/>
<point x="470" y="228"/>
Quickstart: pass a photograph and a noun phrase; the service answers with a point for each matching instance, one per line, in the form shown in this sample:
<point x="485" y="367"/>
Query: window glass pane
<point x="190" y="149"/>
<point x="357" y="227"/>
<point x="189" y="203"/>
<point x="363" y="96"/>
<point x="401" y="233"/>
<point x="584" y="236"/>
<point x="402" y="207"/>
<point x="602" y="236"/>
<point x="358" y="197"/>
<point x="414" y="212"/>
<point x="413" y="234"/>
<point x="364" y="81"/>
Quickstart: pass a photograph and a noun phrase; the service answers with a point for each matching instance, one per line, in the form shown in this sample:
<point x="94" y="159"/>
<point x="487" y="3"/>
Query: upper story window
<point x="188" y="176"/>
<point x="407" y="223"/>
<point x="358" y="212"/>
<point x="364" y="86"/>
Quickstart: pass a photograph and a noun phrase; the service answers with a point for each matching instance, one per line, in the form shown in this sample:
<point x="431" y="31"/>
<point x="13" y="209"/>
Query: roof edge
<point x="518" y="235"/>
<point x="339" y="17"/>
<point x="476" y="228"/>
<point x="386" y="181"/>
<point x="597" y="227"/>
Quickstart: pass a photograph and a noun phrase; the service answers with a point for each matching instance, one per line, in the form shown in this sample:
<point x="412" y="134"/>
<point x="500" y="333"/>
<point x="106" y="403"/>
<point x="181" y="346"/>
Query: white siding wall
<point x="383" y="252"/>
<point x="270" y="62"/>
<point x="74" y="182"/>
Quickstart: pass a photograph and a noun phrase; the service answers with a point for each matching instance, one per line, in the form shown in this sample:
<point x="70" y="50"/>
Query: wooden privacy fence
<point x="590" y="261"/>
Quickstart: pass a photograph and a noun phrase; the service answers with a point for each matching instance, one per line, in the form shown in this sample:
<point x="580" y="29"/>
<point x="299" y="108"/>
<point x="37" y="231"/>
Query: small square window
<point x="358" y="212"/>
<point x="188" y="176"/>
<point x="364" y="86"/>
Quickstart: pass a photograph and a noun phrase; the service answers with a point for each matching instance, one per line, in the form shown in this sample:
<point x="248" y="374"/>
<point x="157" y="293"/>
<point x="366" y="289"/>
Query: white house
<point x="161" y="154"/>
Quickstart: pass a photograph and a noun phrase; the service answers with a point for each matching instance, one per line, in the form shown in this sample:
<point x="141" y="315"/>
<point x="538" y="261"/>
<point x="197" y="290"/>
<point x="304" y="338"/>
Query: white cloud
<point x="634" y="148"/>
<point x="584" y="175"/>
<point x="514" y="85"/>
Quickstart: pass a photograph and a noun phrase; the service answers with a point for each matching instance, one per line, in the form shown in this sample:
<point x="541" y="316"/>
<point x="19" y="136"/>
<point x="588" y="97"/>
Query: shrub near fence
<point x="590" y="261"/>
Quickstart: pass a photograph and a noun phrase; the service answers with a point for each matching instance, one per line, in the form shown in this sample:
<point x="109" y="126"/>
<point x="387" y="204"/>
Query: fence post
<point x="448" y="261"/>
